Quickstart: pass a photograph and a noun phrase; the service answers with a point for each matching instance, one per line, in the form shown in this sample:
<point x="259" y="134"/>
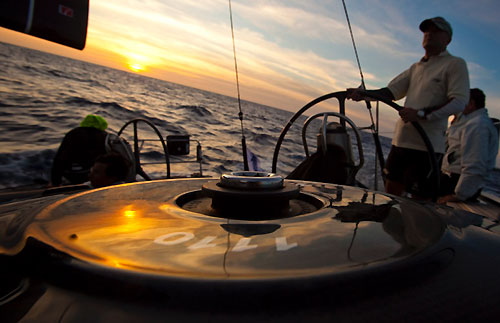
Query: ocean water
<point x="43" y="96"/>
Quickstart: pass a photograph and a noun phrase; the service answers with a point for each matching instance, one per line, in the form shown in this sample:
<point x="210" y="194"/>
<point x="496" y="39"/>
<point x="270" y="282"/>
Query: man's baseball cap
<point x="439" y="22"/>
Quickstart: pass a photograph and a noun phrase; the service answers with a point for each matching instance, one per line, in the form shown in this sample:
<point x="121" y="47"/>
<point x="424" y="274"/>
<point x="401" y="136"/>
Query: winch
<point x="249" y="196"/>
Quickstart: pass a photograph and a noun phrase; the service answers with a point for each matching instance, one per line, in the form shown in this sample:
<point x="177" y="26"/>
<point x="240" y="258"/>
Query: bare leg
<point x="394" y="188"/>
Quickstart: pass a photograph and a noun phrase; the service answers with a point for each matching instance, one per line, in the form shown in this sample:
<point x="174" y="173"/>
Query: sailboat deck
<point x="488" y="206"/>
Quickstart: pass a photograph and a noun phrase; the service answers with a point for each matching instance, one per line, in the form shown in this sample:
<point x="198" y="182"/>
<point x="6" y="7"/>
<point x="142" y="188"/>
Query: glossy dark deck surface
<point x="134" y="252"/>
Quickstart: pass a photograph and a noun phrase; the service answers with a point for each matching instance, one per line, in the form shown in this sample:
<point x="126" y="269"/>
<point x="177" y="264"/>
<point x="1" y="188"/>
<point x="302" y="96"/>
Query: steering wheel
<point x="341" y="97"/>
<point x="138" y="166"/>
<point x="343" y="119"/>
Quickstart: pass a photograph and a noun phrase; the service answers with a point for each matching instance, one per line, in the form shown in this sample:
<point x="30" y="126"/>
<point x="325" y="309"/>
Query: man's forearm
<point x="452" y="107"/>
<point x="383" y="93"/>
<point x="358" y="94"/>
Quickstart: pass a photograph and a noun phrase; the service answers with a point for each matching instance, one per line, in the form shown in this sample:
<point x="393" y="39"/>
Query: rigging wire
<point x="354" y="45"/>
<point x="240" y="114"/>
<point x="374" y="127"/>
<point x="375" y="179"/>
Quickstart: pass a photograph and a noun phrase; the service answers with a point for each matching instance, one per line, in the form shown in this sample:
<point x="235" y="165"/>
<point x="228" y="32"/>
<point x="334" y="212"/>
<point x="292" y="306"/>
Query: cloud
<point x="288" y="52"/>
<point x="326" y="26"/>
<point x="206" y="46"/>
<point x="478" y="73"/>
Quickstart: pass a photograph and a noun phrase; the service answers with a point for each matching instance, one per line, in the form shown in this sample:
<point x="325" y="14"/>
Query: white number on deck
<point x="175" y="238"/>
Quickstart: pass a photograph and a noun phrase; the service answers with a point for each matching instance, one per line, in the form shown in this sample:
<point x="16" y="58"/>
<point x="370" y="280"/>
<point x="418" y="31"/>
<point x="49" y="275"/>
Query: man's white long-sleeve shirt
<point x="472" y="150"/>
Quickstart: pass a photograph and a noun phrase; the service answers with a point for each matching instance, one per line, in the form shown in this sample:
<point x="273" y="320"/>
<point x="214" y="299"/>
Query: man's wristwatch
<point x="421" y="114"/>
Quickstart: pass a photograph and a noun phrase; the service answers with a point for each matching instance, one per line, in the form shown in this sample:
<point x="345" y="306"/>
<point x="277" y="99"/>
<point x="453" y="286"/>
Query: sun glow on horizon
<point x="138" y="62"/>
<point x="136" y="67"/>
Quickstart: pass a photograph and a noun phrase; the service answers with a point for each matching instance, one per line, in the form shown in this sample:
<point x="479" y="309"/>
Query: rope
<point x="240" y="114"/>
<point x="373" y="128"/>
<point x="354" y="45"/>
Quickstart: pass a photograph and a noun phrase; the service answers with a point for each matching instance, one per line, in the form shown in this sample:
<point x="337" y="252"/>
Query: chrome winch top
<point x="251" y="180"/>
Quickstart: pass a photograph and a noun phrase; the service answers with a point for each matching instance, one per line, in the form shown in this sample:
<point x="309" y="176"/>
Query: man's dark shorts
<point x="413" y="169"/>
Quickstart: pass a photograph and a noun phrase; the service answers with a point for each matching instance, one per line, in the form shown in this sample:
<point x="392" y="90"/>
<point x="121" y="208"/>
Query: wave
<point x="65" y="75"/>
<point x="31" y="69"/>
<point x="196" y="109"/>
<point x="264" y="139"/>
<point x="86" y="102"/>
<point x="153" y="155"/>
<point x="20" y="128"/>
<point x="27" y="167"/>
<point x="4" y="105"/>
<point x="11" y="81"/>
<point x="115" y="110"/>
<point x="222" y="169"/>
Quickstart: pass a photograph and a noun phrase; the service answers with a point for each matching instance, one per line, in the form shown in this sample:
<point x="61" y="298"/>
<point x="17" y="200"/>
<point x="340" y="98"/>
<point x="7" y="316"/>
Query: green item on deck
<point x="93" y="121"/>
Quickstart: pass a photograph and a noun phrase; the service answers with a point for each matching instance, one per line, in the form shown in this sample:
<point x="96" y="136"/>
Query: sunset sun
<point x="136" y="67"/>
<point x="137" y="62"/>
